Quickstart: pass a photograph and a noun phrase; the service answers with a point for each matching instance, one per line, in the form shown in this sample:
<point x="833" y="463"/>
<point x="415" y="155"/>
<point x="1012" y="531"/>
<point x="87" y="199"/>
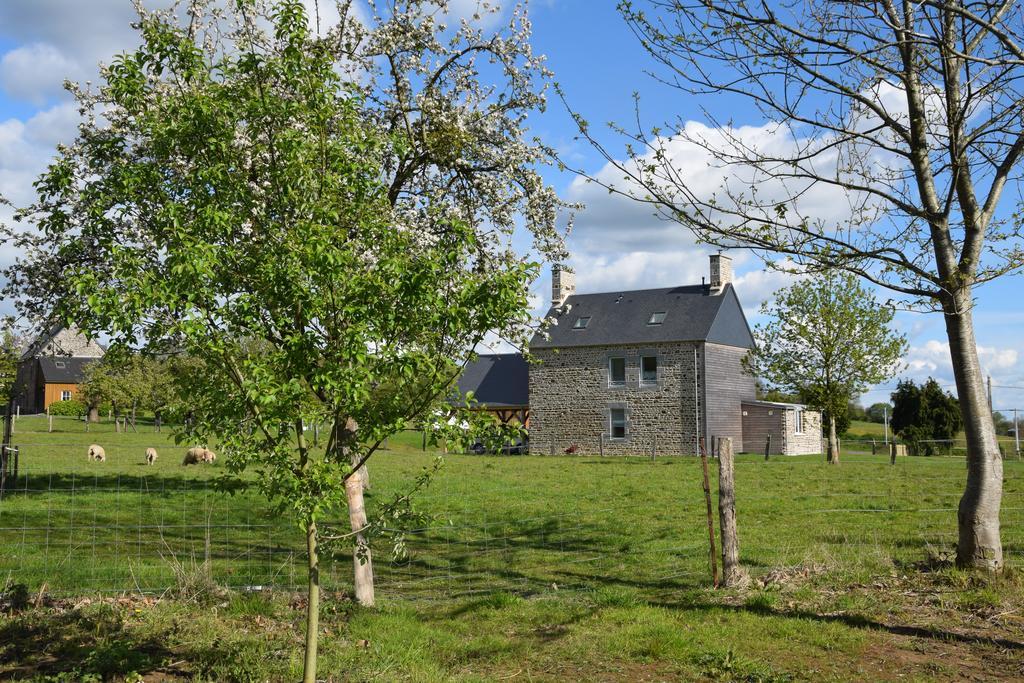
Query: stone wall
<point x="571" y="399"/>
<point x="809" y="442"/>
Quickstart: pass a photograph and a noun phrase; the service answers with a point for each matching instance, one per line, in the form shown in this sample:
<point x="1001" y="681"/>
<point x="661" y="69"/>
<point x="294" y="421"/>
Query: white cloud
<point x="36" y="72"/>
<point x="932" y="359"/>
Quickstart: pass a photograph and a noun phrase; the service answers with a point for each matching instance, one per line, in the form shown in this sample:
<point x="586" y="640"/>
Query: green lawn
<point x="537" y="568"/>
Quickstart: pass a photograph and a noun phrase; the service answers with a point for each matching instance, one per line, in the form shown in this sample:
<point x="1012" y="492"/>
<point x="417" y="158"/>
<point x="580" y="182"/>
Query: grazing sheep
<point x="97" y="453"/>
<point x="150" y="456"/>
<point x="199" y="454"/>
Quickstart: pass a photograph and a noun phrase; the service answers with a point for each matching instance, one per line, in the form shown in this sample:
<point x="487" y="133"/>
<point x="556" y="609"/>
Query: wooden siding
<point x="52" y="393"/>
<point x="726" y="386"/>
<point x="760" y="421"/>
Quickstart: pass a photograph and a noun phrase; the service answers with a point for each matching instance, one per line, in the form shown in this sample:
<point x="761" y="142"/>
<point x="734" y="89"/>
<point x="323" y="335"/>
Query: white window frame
<point x="798" y="420"/>
<point x="657" y="369"/>
<point x="624" y="423"/>
<point x="585" y="319"/>
<point x="612" y="382"/>
<point x="65" y="395"/>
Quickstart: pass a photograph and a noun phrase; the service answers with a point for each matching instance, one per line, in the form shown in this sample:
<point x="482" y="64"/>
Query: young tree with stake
<point x="885" y="137"/>
<point x="242" y="203"/>
<point x="827" y="340"/>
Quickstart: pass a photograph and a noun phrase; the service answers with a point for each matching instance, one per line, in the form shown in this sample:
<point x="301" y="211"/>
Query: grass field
<point x="534" y="568"/>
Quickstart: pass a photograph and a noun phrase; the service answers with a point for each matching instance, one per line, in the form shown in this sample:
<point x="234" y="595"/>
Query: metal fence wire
<point x="582" y="523"/>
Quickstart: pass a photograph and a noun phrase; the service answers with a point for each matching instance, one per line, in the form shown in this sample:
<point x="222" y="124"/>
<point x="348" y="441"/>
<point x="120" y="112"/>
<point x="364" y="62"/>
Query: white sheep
<point x="150" y="456"/>
<point x="197" y="455"/>
<point x="97" y="453"/>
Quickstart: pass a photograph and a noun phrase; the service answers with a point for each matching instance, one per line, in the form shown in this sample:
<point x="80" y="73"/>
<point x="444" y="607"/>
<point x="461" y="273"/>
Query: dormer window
<point x="657" y="318"/>
<point x="581" y="323"/>
<point x="59" y="363"/>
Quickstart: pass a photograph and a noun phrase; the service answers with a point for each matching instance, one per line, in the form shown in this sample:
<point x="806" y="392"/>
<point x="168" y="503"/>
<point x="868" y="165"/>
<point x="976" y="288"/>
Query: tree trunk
<point x="978" y="516"/>
<point x="312" y="605"/>
<point x="94" y="414"/>
<point x="732" y="573"/>
<point x="361" y="558"/>
<point x="833" y="441"/>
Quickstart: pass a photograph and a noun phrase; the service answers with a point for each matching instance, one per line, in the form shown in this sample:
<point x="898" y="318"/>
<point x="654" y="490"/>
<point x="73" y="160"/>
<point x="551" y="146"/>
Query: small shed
<point x="500" y="384"/>
<point x="784" y="428"/>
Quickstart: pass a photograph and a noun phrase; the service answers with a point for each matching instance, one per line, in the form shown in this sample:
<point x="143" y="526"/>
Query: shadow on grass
<point x="864" y="622"/>
<point x="77" y="645"/>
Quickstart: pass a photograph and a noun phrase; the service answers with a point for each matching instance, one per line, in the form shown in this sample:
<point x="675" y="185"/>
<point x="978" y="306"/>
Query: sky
<point x="615" y="244"/>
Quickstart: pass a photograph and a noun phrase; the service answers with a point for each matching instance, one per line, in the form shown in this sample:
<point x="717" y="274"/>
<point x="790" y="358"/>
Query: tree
<point x="877" y="412"/>
<point x="923" y="414"/>
<point x="907" y="116"/>
<point x="330" y="249"/>
<point x="9" y="354"/>
<point x="827" y="340"/>
<point x="1003" y="424"/>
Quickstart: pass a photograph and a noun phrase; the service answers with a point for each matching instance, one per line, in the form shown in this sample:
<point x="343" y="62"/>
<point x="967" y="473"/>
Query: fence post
<point x="767" y="446"/>
<point x="600" y="445"/>
<point x="49" y="422"/>
<point x="711" y="517"/>
<point x="552" y="445"/>
<point x="892" y="453"/>
<point x="872" y="446"/>
<point x="732" y="573"/>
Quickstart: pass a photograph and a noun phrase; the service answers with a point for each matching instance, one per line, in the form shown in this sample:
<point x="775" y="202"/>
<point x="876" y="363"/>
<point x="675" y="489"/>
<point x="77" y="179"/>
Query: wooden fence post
<point x="711" y="515"/>
<point x="767" y="446"/>
<point x="892" y="453"/>
<point x="49" y="422"/>
<point x="732" y="573"/>
<point x="600" y="445"/>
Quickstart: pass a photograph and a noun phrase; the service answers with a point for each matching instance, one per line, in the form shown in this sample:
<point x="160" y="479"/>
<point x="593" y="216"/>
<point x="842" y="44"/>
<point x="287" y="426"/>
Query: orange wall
<point x="53" y="392"/>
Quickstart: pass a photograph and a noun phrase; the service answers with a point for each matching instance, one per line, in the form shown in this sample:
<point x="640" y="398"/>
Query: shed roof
<point x="773" y="404"/>
<point x="500" y="380"/>
<point x="692" y="313"/>
<point x="67" y="370"/>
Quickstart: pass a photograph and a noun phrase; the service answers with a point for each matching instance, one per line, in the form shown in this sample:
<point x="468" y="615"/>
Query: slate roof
<point x="500" y="380"/>
<point x="693" y="313"/>
<point x="68" y="370"/>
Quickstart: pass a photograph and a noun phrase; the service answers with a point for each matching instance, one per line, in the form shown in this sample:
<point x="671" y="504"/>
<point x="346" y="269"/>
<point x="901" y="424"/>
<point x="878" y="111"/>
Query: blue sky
<point x="615" y="244"/>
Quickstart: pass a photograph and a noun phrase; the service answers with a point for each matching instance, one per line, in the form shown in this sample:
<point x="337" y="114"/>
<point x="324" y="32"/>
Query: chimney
<point x="721" y="271"/>
<point x="563" y="284"/>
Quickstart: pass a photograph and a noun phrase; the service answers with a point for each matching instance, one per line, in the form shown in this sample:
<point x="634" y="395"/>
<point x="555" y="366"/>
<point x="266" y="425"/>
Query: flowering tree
<point x="329" y="249"/>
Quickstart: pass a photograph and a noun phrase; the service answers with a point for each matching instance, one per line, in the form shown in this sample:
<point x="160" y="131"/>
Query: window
<point x="581" y="322"/>
<point x="65" y="395"/>
<point x="656" y="318"/>
<point x="618" y="423"/>
<point x="648" y="369"/>
<point x="798" y="421"/>
<point x="617" y="370"/>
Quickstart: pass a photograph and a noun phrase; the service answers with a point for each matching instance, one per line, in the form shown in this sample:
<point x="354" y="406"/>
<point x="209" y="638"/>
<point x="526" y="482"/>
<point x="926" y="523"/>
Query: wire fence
<point x="515" y="524"/>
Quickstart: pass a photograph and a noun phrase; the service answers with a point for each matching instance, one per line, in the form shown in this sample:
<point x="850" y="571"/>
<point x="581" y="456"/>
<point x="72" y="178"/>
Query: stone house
<point x="652" y="371"/>
<point x="51" y="368"/>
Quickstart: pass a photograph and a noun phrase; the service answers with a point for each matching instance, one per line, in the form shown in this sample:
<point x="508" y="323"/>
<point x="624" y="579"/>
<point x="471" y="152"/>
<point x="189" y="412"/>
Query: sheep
<point x="97" y="453"/>
<point x="150" y="456"/>
<point x="199" y="454"/>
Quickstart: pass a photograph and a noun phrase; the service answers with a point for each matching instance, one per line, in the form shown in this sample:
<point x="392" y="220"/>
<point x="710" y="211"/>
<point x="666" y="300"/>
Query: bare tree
<point x="906" y="114"/>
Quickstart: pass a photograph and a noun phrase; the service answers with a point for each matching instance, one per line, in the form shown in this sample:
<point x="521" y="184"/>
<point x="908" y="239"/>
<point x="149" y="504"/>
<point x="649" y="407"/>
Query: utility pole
<point x="885" y="421"/>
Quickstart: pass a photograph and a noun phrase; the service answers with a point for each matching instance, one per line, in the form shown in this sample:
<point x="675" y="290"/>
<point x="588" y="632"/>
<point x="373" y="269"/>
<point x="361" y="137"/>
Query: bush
<point x="70" y="408"/>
